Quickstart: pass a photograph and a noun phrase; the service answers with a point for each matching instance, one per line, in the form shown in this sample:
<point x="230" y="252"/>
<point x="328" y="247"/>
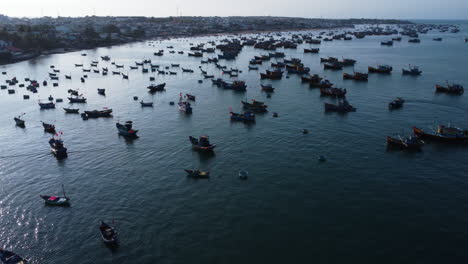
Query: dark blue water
<point x="364" y="204"/>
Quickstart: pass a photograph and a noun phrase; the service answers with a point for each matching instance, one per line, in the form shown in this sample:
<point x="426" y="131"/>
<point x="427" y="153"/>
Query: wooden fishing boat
<point x="450" y="89"/>
<point x="202" y="144"/>
<point x="126" y="130"/>
<point x="267" y="88"/>
<point x="101" y="91"/>
<point x="333" y="92"/>
<point x="197" y="174"/>
<point x="381" y="69"/>
<point x="157" y="88"/>
<point x="321" y="84"/>
<point x="416" y="40"/>
<point x="190" y="97"/>
<point x="185" y="106"/>
<point x="125" y="76"/>
<point x="77" y="99"/>
<point x="49" y="128"/>
<point x="56" y="200"/>
<point x="19" y="122"/>
<point x="68" y="77"/>
<point x="333" y="66"/>
<point x="49" y="105"/>
<point x="443" y="133"/>
<point x="357" y="76"/>
<point x="348" y="62"/>
<point x="8" y="257"/>
<point x="312" y="50"/>
<point x="187" y="70"/>
<point x="98" y="113"/>
<point x="329" y="60"/>
<point x="147" y="104"/>
<point x="255" y="106"/>
<point x="71" y="110"/>
<point x="108" y="234"/>
<point x="413" y="70"/>
<point x="342" y="107"/>
<point x="409" y="143"/>
<point x="57" y="148"/>
<point x="311" y="78"/>
<point x="244" y="117"/>
<point x="387" y="43"/>
<point x="78" y="65"/>
<point x="273" y="75"/>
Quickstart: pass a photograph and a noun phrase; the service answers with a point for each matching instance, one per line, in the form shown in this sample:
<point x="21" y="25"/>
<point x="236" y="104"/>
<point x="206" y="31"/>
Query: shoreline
<point x="161" y="38"/>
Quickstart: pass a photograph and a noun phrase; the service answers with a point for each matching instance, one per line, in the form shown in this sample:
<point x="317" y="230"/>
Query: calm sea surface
<point x="363" y="205"/>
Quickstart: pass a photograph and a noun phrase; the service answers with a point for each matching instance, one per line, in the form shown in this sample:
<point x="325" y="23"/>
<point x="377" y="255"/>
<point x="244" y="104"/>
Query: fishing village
<point x="287" y="58"/>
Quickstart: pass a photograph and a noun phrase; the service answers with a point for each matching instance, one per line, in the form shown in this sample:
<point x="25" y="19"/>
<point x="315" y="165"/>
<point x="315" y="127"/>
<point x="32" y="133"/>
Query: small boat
<point x="8" y="257"/>
<point x="156" y="88"/>
<point x="101" y="91"/>
<point x="410" y="143"/>
<point x="190" y="97"/>
<point x="202" y="144"/>
<point x="255" y="106"/>
<point x="447" y="134"/>
<point x="252" y="68"/>
<point x="312" y="50"/>
<point x="77" y="99"/>
<point x="148" y="104"/>
<point x="342" y="107"/>
<point x="185" y="106"/>
<point x="247" y="116"/>
<point x="56" y="200"/>
<point x="98" y="113"/>
<point x="78" y="65"/>
<point x="108" y="234"/>
<point x="416" y="40"/>
<point x="357" y="76"/>
<point x="267" y="88"/>
<point x="322" y="158"/>
<point x="71" y="111"/>
<point x="73" y="92"/>
<point x="243" y="175"/>
<point x="197" y="174"/>
<point x="397" y="103"/>
<point x="305" y="131"/>
<point x="49" y="105"/>
<point x="450" y="89"/>
<point x="57" y="148"/>
<point x="68" y="77"/>
<point x="126" y="130"/>
<point x="273" y="75"/>
<point x="380" y="69"/>
<point x="311" y="78"/>
<point x="125" y="76"/>
<point x="413" y="70"/>
<point x="333" y="92"/>
<point x="437" y="39"/>
<point x="19" y="122"/>
<point x="387" y="43"/>
<point x="333" y="66"/>
<point x="49" y="128"/>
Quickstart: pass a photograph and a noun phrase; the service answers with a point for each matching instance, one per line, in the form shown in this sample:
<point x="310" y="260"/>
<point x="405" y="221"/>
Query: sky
<point x="398" y="9"/>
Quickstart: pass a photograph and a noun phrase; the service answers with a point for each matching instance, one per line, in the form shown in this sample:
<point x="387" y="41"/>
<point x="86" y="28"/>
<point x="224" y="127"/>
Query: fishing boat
<point x="202" y="144"/>
<point x="380" y="69"/>
<point x="19" y="122"/>
<point x="185" y="106"/>
<point x="357" y="76"/>
<point x="49" y="128"/>
<point x="147" y="104"/>
<point x="49" y="105"/>
<point x="101" y="91"/>
<point x="437" y="39"/>
<point x="416" y="40"/>
<point x="243" y="175"/>
<point x="413" y="70"/>
<point x="156" y="88"/>
<point x="409" y="143"/>
<point x="333" y="66"/>
<point x="321" y="84"/>
<point x="273" y="75"/>
<point x="397" y="103"/>
<point x="387" y="43"/>
<point x="197" y="174"/>
<point x="333" y="92"/>
<point x="56" y="200"/>
<point x="255" y="106"/>
<point x="311" y="78"/>
<point x="125" y="76"/>
<point x="312" y="50"/>
<point x="244" y="117"/>
<point x="71" y="110"/>
<point x="8" y="257"/>
<point x="267" y="88"/>
<point x="57" y="147"/>
<point x="126" y="130"/>
<point x="68" y="77"/>
<point x="78" y="65"/>
<point x="73" y="92"/>
<point x="108" y="234"/>
<point x="329" y="60"/>
<point x="99" y="113"/>
<point x="190" y="97"/>
<point x="78" y="99"/>
<point x="443" y="133"/>
<point x="450" y="89"/>
<point x="252" y="68"/>
<point x="342" y="107"/>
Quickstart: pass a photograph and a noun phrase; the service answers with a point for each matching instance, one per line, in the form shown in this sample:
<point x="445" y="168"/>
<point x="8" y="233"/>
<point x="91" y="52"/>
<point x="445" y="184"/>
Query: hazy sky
<point x="418" y="9"/>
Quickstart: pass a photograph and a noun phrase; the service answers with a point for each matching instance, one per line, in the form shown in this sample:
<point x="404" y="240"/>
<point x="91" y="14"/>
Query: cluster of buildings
<point x="21" y="36"/>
